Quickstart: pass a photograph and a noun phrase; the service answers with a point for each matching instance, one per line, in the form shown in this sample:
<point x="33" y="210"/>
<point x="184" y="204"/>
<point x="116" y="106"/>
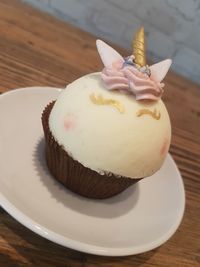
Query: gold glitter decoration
<point x="100" y="100"/>
<point x="139" y="48"/>
<point x="156" y="115"/>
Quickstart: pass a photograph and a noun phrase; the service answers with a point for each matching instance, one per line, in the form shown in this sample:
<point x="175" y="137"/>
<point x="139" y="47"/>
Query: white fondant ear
<point x="160" y="69"/>
<point x="108" y="54"/>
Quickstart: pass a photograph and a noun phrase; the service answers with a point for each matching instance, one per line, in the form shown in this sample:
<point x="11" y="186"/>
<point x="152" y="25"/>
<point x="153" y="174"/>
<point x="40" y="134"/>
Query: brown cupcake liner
<point x="73" y="175"/>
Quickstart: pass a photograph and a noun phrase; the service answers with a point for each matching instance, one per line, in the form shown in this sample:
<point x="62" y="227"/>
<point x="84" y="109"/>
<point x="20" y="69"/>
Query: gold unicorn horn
<point x="139" y="48"/>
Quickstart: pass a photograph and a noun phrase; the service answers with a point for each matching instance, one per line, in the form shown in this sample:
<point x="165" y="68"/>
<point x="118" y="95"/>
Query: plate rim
<point x="82" y="246"/>
<point x="29" y="88"/>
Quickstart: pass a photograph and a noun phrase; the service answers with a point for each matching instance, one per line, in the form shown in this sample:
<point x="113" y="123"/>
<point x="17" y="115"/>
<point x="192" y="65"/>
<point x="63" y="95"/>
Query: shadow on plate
<point x="108" y="208"/>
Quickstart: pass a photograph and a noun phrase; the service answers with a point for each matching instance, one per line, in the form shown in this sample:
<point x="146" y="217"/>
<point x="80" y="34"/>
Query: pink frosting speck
<point x="69" y="122"/>
<point x="164" y="148"/>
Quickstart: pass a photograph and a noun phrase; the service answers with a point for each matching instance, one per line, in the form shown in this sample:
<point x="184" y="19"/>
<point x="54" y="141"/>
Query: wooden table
<point x="37" y="49"/>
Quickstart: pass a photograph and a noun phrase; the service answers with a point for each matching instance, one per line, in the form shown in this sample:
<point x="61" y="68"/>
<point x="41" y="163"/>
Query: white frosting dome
<point x="104" y="139"/>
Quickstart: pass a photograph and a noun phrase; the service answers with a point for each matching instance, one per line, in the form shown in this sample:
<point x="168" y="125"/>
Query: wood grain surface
<point x="37" y="49"/>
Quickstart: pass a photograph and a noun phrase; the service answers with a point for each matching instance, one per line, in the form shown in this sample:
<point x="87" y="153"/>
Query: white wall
<point x="172" y="26"/>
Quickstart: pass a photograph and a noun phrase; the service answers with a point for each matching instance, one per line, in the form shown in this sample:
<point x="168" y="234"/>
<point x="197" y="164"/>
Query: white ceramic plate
<point x="139" y="219"/>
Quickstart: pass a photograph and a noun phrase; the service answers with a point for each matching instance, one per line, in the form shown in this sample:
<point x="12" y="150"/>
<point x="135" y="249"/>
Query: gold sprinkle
<point x="100" y="100"/>
<point x="156" y="115"/>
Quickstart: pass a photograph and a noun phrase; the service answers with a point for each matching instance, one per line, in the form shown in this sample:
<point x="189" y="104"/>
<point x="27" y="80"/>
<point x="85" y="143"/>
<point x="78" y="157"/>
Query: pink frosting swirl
<point x="130" y="80"/>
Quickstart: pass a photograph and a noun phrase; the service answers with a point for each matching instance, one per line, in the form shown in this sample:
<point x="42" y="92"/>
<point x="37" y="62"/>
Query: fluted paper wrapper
<point x="73" y="175"/>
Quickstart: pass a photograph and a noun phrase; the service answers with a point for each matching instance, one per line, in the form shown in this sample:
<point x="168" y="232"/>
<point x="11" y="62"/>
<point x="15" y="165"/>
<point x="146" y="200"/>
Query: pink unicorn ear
<point x="160" y="69"/>
<point x="108" y="55"/>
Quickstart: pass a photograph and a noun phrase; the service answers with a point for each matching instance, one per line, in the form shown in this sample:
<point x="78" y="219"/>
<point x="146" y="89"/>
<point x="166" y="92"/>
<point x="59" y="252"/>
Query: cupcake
<point x="110" y="129"/>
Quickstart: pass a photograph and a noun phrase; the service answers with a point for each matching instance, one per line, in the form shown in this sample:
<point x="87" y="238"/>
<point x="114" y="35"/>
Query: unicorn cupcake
<point x="110" y="129"/>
